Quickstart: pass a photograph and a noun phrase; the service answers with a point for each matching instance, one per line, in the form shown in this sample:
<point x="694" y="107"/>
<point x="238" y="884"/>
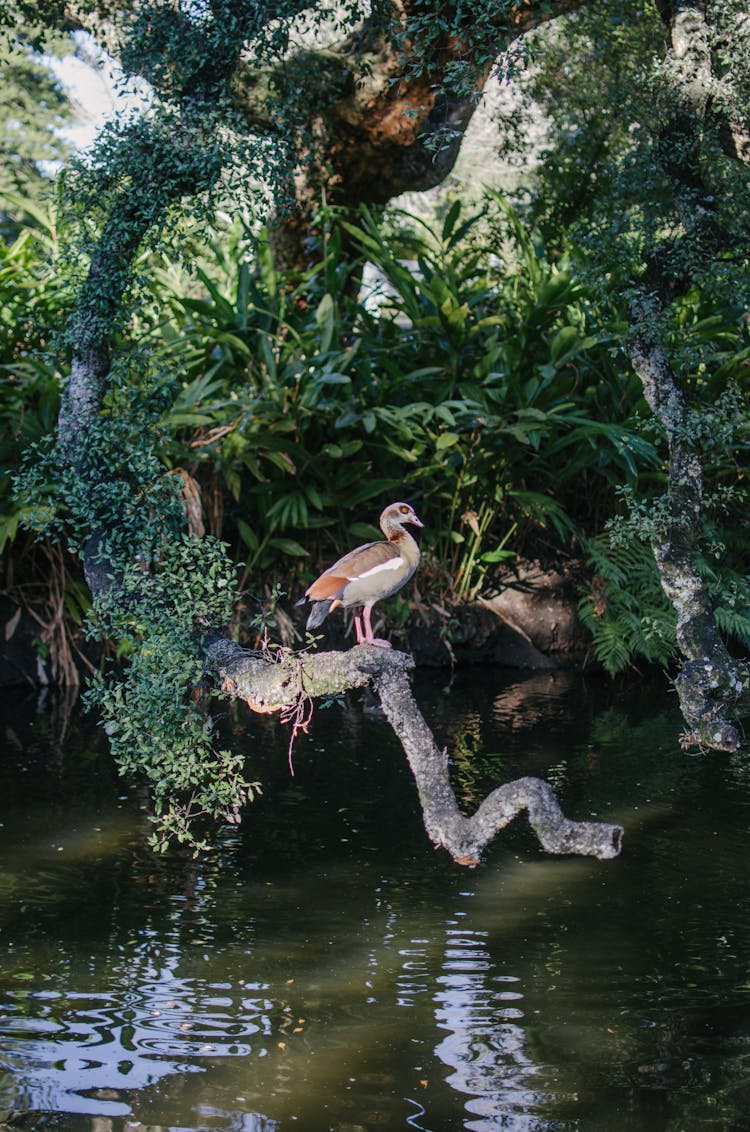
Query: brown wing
<point x="332" y="581"/>
<point x="327" y="585"/>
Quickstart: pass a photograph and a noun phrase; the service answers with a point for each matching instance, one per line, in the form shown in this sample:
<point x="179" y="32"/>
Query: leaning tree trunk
<point x="711" y="685"/>
<point x="382" y="113"/>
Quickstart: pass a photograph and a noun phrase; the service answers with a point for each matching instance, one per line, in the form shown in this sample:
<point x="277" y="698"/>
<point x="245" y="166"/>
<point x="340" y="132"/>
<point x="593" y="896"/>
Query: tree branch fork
<point x="268" y="685"/>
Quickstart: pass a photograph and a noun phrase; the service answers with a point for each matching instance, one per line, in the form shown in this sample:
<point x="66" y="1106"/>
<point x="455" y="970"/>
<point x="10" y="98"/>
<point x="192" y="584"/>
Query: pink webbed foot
<point x="369" y="639"/>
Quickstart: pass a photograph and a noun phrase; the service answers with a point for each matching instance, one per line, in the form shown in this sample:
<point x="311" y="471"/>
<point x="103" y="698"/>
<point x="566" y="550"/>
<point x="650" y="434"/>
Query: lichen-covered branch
<point x="712" y="686"/>
<point x="274" y="686"/>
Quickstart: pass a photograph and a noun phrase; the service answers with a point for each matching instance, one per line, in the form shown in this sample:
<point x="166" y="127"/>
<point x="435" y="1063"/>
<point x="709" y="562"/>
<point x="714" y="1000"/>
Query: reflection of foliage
<point x="471" y="765"/>
<point x="615" y="728"/>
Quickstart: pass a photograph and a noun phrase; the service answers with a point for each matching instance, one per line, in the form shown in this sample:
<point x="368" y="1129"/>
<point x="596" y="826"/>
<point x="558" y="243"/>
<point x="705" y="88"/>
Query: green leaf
<point x="564" y="344"/>
<point x="243" y="295"/>
<point x="499" y="555"/>
<point x="235" y="342"/>
<point x="334" y="378"/>
<point x="450" y="221"/>
<point x="282" y="461"/>
<point x="268" y="357"/>
<point x="314" y="496"/>
<point x="288" y="546"/>
<point x="446" y="440"/>
<point x="247" y="534"/>
<point x="325" y="317"/>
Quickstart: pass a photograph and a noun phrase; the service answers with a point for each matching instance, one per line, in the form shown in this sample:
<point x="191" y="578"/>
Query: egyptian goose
<point x="367" y="575"/>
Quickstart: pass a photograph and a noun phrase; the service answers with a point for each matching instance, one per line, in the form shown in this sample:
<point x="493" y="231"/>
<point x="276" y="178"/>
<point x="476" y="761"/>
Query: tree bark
<point x="712" y="686"/>
<point x="269" y="686"/>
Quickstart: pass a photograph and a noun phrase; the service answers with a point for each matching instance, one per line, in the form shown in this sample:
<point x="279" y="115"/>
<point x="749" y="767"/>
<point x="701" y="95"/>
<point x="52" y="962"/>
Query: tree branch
<point x="269" y="686"/>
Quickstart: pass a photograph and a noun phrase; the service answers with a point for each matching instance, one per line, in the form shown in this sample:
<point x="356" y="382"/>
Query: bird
<point x="367" y="575"/>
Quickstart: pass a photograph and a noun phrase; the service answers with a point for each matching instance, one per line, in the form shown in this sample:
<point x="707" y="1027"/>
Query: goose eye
<point x="404" y="510"/>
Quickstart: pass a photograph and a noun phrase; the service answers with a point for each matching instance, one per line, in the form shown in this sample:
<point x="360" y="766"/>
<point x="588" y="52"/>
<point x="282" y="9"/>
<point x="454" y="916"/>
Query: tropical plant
<point x="35" y="301"/>
<point x="491" y="391"/>
<point x="308" y="408"/>
<point x="34" y="109"/>
<point x="624" y="607"/>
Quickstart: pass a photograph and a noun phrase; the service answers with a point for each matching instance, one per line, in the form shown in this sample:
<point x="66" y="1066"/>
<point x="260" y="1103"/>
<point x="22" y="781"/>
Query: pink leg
<point x="358" y="628"/>
<point x="369" y="639"/>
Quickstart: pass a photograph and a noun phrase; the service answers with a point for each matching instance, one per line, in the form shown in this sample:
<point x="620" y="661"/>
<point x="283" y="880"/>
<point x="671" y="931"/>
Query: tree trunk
<point x="382" y="114"/>
<point x="711" y="685"/>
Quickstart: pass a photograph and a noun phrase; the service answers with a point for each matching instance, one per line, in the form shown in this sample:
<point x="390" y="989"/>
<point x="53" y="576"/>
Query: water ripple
<point x="485" y="1047"/>
<point x="68" y="1047"/>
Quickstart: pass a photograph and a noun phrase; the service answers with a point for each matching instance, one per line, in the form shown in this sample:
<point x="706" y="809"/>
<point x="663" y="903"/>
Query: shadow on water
<point x="325" y="968"/>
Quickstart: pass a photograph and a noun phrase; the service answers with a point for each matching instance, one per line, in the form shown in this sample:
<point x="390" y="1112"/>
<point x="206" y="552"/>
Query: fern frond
<point x="610" y="646"/>
<point x="626" y="611"/>
<point x="734" y="623"/>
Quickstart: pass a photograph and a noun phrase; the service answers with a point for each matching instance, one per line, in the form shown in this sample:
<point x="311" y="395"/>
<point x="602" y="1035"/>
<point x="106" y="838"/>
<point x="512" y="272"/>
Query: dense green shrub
<point x="34" y="305"/>
<point x="485" y="390"/>
<point x="490" y="389"/>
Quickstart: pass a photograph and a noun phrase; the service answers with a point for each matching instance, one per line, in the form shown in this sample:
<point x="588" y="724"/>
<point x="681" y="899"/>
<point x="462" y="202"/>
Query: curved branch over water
<point x="269" y="686"/>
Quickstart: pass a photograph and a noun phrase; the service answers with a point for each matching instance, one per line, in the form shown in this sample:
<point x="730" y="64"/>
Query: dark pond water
<point x="326" y="968"/>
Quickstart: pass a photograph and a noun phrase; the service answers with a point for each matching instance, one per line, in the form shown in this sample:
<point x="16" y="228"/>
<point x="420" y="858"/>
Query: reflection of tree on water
<point x="516" y="729"/>
<point x="89" y="1050"/>
<point x="486" y="1044"/>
